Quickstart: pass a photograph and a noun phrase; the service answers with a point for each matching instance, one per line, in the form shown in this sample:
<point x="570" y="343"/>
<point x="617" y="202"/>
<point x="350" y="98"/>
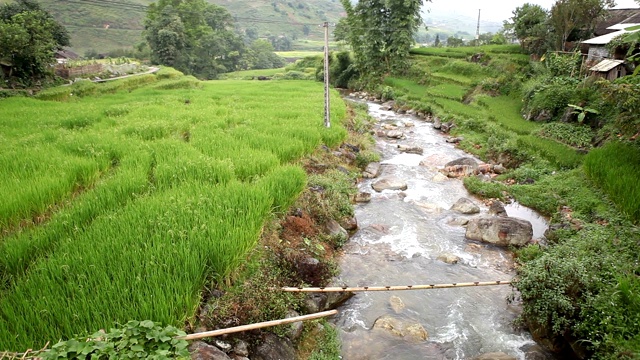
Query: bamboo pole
<point x="257" y="325"/>
<point x="394" y="288"/>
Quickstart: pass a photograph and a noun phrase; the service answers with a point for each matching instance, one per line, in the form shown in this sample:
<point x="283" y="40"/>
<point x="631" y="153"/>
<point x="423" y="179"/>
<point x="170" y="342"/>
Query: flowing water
<point x="400" y="238"/>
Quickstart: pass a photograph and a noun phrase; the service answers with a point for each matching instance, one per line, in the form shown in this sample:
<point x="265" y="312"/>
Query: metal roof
<point x="605" y="39"/>
<point x="606" y="65"/>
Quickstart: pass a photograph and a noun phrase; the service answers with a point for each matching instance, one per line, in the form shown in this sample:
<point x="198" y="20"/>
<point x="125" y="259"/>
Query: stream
<point x="400" y="236"/>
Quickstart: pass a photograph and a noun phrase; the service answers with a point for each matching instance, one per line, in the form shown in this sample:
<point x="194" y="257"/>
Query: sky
<point x="493" y="10"/>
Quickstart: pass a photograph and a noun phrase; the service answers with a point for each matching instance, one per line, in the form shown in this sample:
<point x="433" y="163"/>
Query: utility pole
<point x="327" y="107"/>
<point x="478" y="28"/>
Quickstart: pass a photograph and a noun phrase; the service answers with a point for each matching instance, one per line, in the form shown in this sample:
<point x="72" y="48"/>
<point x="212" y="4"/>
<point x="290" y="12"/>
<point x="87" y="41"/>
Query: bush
<point x="570" y="134"/>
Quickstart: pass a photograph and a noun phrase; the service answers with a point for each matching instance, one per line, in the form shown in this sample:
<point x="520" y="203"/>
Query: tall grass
<point x="144" y="195"/>
<point x="616" y="168"/>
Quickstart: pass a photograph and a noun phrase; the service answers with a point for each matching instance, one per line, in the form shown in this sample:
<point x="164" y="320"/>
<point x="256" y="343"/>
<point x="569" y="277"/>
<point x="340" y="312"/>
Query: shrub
<point x="135" y="339"/>
<point x="570" y="134"/>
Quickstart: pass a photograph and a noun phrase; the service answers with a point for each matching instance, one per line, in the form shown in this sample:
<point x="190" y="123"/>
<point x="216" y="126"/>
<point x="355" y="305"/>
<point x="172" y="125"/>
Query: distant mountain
<point x="450" y="23"/>
<point x="105" y="25"/>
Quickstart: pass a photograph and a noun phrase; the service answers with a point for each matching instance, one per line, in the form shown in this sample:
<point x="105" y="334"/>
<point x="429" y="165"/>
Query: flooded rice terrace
<point x="411" y="238"/>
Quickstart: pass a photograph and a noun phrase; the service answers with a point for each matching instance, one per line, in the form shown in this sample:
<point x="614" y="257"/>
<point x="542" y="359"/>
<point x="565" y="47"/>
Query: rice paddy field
<point x="121" y="200"/>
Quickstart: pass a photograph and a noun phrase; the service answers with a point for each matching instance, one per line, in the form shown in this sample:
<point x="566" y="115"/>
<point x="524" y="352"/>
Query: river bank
<point x="409" y="237"/>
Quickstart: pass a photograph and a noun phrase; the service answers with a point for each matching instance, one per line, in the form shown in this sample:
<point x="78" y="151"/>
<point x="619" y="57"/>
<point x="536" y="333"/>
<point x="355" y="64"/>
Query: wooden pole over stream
<point x="394" y="288"/>
<point x="257" y="325"/>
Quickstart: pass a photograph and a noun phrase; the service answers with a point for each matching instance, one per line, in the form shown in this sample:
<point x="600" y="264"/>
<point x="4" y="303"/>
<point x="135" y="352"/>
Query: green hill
<point x="105" y="25"/>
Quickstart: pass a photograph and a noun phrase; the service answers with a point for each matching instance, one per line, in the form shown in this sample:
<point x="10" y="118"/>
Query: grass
<point x="250" y="74"/>
<point x="178" y="179"/>
<point x="617" y="175"/>
<point x="299" y="54"/>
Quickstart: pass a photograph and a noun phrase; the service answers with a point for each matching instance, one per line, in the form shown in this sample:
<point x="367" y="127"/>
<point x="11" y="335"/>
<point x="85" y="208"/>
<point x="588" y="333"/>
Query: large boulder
<point x="389" y="183"/>
<point x="203" y="351"/>
<point x="274" y="347"/>
<point x="500" y="231"/>
<point x="463" y="161"/>
<point x="410" y="149"/>
<point x="395" y="134"/>
<point x="372" y="170"/>
<point x="465" y="206"/>
<point x="401" y="328"/>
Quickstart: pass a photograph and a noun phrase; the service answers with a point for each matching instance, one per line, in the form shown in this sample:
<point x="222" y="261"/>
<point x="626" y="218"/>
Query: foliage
<point x="622" y="94"/>
<point x="342" y="70"/>
<point x="381" y="34"/>
<point x="529" y="25"/>
<point x="570" y="134"/>
<point x="194" y="37"/>
<point x="563" y="65"/>
<point x="573" y="20"/>
<point x="135" y="339"/>
<point x="575" y="290"/>
<point x="329" y="344"/>
<point x="260" y="55"/>
<point x="492" y="190"/>
<point x="28" y="38"/>
<point x="582" y="112"/>
<point x="615" y="169"/>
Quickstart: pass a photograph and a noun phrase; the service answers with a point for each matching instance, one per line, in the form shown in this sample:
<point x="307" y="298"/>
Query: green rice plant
<point x="179" y="189"/>
<point x="558" y="154"/>
<point x="166" y="72"/>
<point x="464" y="68"/>
<point x="453" y="78"/>
<point x="186" y="82"/>
<point x="505" y="111"/>
<point x="447" y="91"/>
<point x="20" y="250"/>
<point x="284" y="184"/>
<point x="617" y="175"/>
<point x="167" y="245"/>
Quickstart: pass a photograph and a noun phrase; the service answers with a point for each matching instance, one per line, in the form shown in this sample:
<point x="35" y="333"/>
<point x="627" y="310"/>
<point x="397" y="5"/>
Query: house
<point x="600" y="59"/>
<point x="609" y="69"/>
<point x="63" y="55"/>
<point x="598" y="45"/>
<point x="617" y="16"/>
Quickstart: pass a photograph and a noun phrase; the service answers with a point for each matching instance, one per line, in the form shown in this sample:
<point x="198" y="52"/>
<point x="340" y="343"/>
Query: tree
<point x="530" y="27"/>
<point x="261" y="56"/>
<point x="381" y="34"/>
<point x="436" y="43"/>
<point x="576" y="19"/>
<point x="194" y="37"/>
<point x="29" y="37"/>
<point x="453" y="41"/>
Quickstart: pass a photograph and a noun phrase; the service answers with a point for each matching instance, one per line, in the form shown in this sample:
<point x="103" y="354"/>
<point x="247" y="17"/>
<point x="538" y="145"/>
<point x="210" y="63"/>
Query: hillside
<point x="105" y="25"/>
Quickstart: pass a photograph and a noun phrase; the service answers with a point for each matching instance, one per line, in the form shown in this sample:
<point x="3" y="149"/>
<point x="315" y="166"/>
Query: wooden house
<point x="609" y="69"/>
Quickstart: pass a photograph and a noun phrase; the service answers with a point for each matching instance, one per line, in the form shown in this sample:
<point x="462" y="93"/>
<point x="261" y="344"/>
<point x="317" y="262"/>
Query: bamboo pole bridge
<point x="393" y="288"/>
<point x="290" y="320"/>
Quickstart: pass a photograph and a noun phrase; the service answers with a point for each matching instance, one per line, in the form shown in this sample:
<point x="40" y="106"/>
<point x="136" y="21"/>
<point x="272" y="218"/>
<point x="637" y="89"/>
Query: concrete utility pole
<point x="478" y="28"/>
<point x="327" y="107"/>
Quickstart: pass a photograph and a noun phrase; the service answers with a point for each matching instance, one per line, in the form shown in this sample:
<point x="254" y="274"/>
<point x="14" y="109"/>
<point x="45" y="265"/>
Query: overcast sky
<point x="493" y="10"/>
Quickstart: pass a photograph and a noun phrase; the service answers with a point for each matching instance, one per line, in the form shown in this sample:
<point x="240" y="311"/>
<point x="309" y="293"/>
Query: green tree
<point x="381" y="34"/>
<point x="453" y="41"/>
<point x="261" y="56"/>
<point x="436" y="43"/>
<point x="576" y="19"/>
<point x="194" y="37"/>
<point x="530" y="27"/>
<point x="29" y="37"/>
